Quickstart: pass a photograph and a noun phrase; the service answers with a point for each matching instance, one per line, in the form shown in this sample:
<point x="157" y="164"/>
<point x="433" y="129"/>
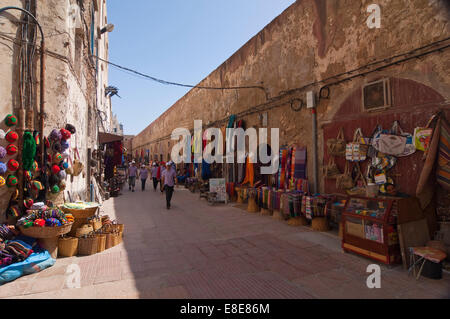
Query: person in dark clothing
<point x="154" y="174"/>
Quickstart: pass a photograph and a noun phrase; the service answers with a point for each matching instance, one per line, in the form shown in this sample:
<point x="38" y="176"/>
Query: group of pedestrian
<point x="161" y="173"/>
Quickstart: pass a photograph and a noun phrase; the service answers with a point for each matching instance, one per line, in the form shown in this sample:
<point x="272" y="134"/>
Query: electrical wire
<point x="179" y="84"/>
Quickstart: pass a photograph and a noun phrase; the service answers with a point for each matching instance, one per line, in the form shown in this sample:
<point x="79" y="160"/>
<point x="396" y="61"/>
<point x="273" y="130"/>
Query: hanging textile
<point x="298" y="163"/>
<point x="282" y="169"/>
<point x="443" y="166"/>
<point x="206" y="170"/>
<point x="249" y="173"/>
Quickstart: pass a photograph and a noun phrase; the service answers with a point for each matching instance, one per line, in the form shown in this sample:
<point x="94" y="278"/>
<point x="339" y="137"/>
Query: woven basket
<point x="45" y="232"/>
<point x="112" y="239"/>
<point x="101" y="242"/>
<point x="84" y="230"/>
<point x="320" y="224"/>
<point x="277" y="215"/>
<point x="80" y="213"/>
<point x="87" y="245"/>
<point x="95" y="222"/>
<point x="252" y="206"/>
<point x="266" y="212"/>
<point x="67" y="246"/>
<point x="298" y="221"/>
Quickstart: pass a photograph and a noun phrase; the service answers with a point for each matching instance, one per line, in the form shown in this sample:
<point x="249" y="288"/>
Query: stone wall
<point x="310" y="41"/>
<point x="70" y="89"/>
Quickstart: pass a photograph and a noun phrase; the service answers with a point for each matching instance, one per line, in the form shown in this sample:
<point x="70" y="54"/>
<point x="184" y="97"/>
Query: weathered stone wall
<point x="70" y="89"/>
<point x="311" y="41"/>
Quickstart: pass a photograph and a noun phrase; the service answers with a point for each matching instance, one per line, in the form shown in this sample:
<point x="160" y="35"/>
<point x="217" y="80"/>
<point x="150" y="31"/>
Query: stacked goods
<point x="81" y="211"/>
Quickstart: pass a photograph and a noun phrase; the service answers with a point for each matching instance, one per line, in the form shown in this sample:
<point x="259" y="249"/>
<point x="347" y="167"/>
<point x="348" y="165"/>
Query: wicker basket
<point x="101" y="242"/>
<point x="46" y="232"/>
<point x="112" y="239"/>
<point x="84" y="230"/>
<point x="298" y="221"/>
<point x="67" y="246"/>
<point x="87" y="245"/>
<point x="320" y="224"/>
<point x="95" y="222"/>
<point x="252" y="206"/>
<point x="80" y="213"/>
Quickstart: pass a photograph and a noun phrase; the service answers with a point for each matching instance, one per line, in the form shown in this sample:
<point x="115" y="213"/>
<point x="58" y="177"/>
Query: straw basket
<point x="46" y="232"/>
<point x="87" y="245"/>
<point x="277" y="215"/>
<point x="252" y="207"/>
<point x="83" y="230"/>
<point x="95" y="222"/>
<point x="266" y="212"/>
<point x="298" y="221"/>
<point x="80" y="217"/>
<point x="67" y="246"/>
<point x="320" y="224"/>
<point x="112" y="239"/>
<point x="101" y="242"/>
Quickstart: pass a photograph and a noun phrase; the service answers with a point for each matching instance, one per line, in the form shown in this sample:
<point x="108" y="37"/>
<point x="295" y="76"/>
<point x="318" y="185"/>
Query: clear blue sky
<point x="175" y="40"/>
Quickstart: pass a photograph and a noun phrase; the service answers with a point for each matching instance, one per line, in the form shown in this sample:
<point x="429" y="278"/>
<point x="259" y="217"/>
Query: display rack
<point x="370" y="228"/>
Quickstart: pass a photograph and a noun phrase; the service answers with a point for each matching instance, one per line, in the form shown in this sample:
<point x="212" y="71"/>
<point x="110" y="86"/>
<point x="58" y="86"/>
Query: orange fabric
<point x="249" y="173"/>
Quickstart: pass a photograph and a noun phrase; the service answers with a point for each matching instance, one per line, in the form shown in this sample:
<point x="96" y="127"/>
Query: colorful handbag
<point x="422" y="138"/>
<point x="355" y="151"/>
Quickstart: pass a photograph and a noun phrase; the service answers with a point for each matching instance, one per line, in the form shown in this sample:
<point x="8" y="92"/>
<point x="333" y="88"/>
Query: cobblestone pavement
<point x="198" y="251"/>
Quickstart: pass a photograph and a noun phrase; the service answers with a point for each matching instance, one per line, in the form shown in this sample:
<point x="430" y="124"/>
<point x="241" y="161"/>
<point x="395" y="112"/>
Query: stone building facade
<point x="75" y="81"/>
<point x="332" y="48"/>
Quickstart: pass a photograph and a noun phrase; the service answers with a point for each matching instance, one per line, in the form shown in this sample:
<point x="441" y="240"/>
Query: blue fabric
<point x="206" y="170"/>
<point x="36" y="262"/>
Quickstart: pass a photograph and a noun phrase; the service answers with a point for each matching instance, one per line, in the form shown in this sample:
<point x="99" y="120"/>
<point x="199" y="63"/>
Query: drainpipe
<point x="311" y="104"/>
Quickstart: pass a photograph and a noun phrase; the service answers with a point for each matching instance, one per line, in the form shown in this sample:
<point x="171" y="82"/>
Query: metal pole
<point x="315" y="161"/>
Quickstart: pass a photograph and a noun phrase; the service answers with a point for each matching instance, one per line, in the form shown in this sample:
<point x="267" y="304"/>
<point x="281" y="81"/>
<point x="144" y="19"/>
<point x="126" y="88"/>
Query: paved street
<point x="198" y="251"/>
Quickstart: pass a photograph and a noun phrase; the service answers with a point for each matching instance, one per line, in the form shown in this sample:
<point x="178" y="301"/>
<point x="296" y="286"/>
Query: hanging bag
<point x="77" y="167"/>
<point x="387" y="142"/>
<point x="355" y="151"/>
<point x="336" y="146"/>
<point x="344" y="181"/>
<point x="410" y="148"/>
<point x="331" y="170"/>
<point x="371" y="151"/>
<point x="358" y="190"/>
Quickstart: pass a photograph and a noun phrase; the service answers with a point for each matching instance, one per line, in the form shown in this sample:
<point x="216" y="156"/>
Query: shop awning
<point x="108" y="138"/>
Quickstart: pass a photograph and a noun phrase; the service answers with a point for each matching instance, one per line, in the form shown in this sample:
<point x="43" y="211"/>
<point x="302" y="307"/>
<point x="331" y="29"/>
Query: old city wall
<point x="310" y="41"/>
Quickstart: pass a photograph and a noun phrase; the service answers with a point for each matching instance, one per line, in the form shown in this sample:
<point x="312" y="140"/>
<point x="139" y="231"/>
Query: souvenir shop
<point x="42" y="223"/>
<point x="110" y="158"/>
<point x="373" y="215"/>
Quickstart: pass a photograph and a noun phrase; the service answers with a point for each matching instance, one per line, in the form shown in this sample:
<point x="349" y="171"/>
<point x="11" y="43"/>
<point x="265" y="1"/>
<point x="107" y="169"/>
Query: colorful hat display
<point x="56" y="147"/>
<point x="55" y="169"/>
<point x="2" y="152"/>
<point x="39" y="222"/>
<point x="53" y="180"/>
<point x="13" y="165"/>
<point x="2" y="181"/>
<point x="14" y="211"/>
<point x="10" y="120"/>
<point x="37" y="185"/>
<point x="62" y="174"/>
<point x="64" y="145"/>
<point x="55" y="135"/>
<point x="35" y="167"/>
<point x="28" y="176"/>
<point x="11" y="181"/>
<point x="71" y="128"/>
<point x="11" y="149"/>
<point x="3" y="168"/>
<point x="2" y="134"/>
<point x="12" y="136"/>
<point x="65" y="165"/>
<point x="55" y="189"/>
<point x="62" y="185"/>
<point x="57" y="158"/>
<point x="28" y="203"/>
<point x="65" y="134"/>
<point x="65" y="154"/>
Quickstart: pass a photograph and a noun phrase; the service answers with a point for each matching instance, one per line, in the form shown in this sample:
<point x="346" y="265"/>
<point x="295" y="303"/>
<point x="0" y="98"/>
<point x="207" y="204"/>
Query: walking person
<point x="143" y="174"/>
<point x="154" y="172"/>
<point x="169" y="178"/>
<point x="132" y="172"/>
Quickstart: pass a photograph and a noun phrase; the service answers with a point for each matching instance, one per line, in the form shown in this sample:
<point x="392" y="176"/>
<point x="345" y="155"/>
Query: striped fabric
<point x="443" y="169"/>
